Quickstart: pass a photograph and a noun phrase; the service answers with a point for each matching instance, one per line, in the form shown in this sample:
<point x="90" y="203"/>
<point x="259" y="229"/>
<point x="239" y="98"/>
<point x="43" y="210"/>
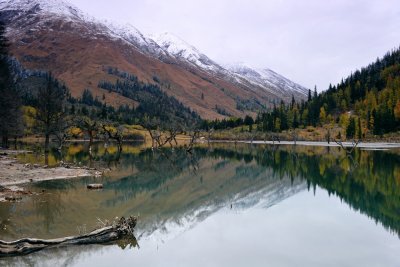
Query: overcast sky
<point x="312" y="42"/>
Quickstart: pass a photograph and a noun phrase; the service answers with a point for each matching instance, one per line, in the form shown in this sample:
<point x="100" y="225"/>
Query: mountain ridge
<point x="76" y="47"/>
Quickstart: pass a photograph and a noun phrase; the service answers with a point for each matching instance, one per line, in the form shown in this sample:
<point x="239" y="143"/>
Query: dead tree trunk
<point x="349" y="150"/>
<point x="193" y="137"/>
<point x="210" y="132"/>
<point x="90" y="127"/>
<point x="46" y="143"/>
<point x="91" y="136"/>
<point x="122" y="229"/>
<point x="153" y="142"/>
<point x="61" y="138"/>
<point x="115" y="134"/>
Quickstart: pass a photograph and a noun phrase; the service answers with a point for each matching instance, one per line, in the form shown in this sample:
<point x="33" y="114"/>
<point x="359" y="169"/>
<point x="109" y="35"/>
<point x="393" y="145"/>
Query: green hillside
<point x="365" y="103"/>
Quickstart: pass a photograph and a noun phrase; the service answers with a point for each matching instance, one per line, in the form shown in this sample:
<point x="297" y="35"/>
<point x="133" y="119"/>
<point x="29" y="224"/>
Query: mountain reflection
<point x="170" y="188"/>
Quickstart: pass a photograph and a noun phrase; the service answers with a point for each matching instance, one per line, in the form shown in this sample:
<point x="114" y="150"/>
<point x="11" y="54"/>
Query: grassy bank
<point x="317" y="134"/>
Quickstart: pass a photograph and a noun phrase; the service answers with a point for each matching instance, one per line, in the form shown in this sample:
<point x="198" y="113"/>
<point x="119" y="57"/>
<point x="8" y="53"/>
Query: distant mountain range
<point x="55" y="36"/>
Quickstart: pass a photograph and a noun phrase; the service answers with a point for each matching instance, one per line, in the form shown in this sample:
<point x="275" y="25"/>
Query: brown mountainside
<point x="78" y="51"/>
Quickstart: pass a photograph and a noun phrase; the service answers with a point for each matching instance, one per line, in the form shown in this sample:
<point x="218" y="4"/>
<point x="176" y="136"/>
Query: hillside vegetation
<point x="364" y="104"/>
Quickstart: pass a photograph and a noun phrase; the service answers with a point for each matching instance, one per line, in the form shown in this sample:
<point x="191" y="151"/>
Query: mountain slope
<point x="267" y="79"/>
<point x="55" y="36"/>
<point x="240" y="74"/>
<point x="181" y="50"/>
<point x="362" y="106"/>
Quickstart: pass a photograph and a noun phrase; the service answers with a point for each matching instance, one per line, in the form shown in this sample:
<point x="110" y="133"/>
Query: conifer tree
<point x="351" y="128"/>
<point x="50" y="107"/>
<point x="359" y="129"/>
<point x="10" y="104"/>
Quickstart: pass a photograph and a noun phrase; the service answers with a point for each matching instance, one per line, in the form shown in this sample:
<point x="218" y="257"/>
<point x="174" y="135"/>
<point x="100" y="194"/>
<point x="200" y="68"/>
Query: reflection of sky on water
<point x="240" y="207"/>
<point x="303" y="230"/>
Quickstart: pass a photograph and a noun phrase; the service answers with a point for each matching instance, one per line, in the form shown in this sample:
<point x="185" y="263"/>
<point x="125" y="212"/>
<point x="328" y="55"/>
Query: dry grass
<point x="306" y="134"/>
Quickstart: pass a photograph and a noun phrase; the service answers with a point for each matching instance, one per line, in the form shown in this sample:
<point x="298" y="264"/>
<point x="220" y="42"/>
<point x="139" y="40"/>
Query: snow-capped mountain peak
<point x="175" y="45"/>
<point x="58" y="21"/>
<point x="49" y="9"/>
<point x="180" y="49"/>
<point x="127" y="31"/>
<point x="266" y="78"/>
<point x="132" y="35"/>
<point x="56" y="7"/>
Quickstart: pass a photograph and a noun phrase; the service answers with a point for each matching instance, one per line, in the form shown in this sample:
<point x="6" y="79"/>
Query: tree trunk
<point x="119" y="145"/>
<point x="90" y="140"/>
<point x="46" y="158"/>
<point x="122" y="229"/>
<point x="46" y="143"/>
<point x="5" y="141"/>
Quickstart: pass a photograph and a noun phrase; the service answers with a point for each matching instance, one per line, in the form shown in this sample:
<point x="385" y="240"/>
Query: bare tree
<point x="350" y="149"/>
<point x="194" y="135"/>
<point x="152" y="126"/>
<point x="328" y="135"/>
<point x="275" y="137"/>
<point x="88" y="126"/>
<point x="162" y="136"/>
<point x="252" y="136"/>
<point x="210" y="131"/>
<point x="171" y="135"/>
<point x="62" y="132"/>
<point x="50" y="107"/>
<point x="115" y="133"/>
<point x="295" y="135"/>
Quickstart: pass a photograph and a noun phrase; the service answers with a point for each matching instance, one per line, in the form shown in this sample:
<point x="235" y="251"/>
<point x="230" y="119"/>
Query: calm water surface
<point x="220" y="206"/>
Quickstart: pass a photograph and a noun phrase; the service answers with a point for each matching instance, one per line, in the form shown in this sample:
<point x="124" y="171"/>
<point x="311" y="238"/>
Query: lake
<point x="221" y="205"/>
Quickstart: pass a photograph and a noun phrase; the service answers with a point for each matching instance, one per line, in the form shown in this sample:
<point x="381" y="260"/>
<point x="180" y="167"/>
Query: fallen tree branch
<point x="120" y="230"/>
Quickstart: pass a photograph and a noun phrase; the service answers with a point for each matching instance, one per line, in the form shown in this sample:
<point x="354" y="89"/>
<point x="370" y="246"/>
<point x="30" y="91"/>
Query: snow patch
<point x="165" y="45"/>
<point x="266" y="78"/>
<point x="57" y="7"/>
<point x="178" y="48"/>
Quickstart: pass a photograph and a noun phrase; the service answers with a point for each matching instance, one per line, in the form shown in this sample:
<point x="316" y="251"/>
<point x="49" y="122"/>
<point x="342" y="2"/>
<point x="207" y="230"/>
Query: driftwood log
<point x="94" y="186"/>
<point x="120" y="230"/>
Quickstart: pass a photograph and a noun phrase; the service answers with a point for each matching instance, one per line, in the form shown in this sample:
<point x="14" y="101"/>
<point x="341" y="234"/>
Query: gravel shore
<point x="13" y="173"/>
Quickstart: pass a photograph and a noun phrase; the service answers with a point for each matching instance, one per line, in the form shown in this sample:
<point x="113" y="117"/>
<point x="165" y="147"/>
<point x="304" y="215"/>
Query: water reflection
<point x="172" y="191"/>
<point x="67" y="255"/>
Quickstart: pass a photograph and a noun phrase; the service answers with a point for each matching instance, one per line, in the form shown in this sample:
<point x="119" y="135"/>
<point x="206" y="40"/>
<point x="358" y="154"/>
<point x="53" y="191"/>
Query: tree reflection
<point x="369" y="181"/>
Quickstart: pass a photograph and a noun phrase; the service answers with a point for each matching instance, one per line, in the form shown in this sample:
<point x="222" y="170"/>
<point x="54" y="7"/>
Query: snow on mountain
<point x="49" y="9"/>
<point x="266" y="78"/>
<point x="261" y="198"/>
<point x="162" y="47"/>
<point x="132" y="35"/>
<point x="180" y="49"/>
<point x="128" y="32"/>
<point x="241" y="73"/>
<point x="55" y="7"/>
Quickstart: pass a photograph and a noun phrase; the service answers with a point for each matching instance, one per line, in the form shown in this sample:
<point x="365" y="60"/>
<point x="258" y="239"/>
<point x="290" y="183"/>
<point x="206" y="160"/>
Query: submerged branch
<point x="122" y="229"/>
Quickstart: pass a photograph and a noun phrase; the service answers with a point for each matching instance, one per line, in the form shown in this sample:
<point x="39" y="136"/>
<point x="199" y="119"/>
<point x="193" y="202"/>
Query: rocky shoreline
<point x="13" y="174"/>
